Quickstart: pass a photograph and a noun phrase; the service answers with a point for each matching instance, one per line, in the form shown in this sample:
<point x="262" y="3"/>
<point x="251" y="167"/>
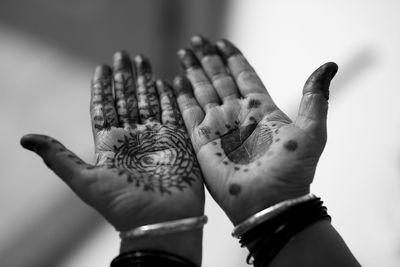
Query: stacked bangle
<point x="150" y="258"/>
<point x="272" y="234"/>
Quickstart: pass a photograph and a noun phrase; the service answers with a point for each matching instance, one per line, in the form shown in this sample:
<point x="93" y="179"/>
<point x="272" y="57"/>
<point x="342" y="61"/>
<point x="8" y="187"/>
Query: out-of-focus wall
<point x="48" y="50"/>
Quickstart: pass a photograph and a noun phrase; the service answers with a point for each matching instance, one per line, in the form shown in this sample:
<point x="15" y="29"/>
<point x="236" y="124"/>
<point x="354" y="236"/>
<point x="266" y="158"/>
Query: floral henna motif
<point x="158" y="160"/>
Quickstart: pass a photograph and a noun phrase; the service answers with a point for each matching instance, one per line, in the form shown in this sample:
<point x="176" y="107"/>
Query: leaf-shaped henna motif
<point x="246" y="144"/>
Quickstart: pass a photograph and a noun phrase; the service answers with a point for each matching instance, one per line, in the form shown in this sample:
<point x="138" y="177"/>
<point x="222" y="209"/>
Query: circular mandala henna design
<point x="246" y="144"/>
<point x="156" y="160"/>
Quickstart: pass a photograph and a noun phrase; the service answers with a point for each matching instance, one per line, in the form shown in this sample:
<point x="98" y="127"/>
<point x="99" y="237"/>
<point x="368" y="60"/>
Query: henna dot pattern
<point x="234" y="189"/>
<point x="156" y="160"/>
<point x="291" y="145"/>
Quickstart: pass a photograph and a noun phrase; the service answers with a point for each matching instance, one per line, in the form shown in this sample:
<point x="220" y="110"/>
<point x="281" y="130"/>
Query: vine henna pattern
<point x="157" y="159"/>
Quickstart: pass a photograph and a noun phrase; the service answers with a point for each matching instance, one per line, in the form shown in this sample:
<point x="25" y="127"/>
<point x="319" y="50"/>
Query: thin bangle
<point x="165" y="227"/>
<point x="267" y="214"/>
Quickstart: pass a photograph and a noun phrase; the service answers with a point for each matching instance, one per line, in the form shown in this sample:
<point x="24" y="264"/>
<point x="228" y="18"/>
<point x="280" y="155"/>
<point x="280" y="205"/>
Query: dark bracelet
<point x="276" y="232"/>
<point x="269" y="227"/>
<point x="150" y="258"/>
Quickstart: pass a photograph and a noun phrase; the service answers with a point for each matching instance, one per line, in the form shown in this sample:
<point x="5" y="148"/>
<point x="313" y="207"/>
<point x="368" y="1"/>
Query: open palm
<point x="145" y="170"/>
<point x="251" y="154"/>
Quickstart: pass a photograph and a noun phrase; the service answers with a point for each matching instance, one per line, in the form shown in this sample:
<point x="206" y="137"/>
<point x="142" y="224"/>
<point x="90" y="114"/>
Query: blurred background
<point x="48" y="50"/>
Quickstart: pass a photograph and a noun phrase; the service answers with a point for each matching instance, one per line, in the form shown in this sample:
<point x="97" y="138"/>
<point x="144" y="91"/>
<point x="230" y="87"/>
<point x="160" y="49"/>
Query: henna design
<point x="169" y="106"/>
<point x="125" y="97"/>
<point x="155" y="159"/>
<point x="234" y="189"/>
<point x="102" y="103"/>
<point x="253" y="103"/>
<point x="148" y="100"/>
<point x="205" y="130"/>
<point x="246" y="144"/>
<point x="291" y="145"/>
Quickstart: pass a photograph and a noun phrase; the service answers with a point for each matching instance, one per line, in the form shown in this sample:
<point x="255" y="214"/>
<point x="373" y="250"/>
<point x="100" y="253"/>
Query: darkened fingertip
<point x="181" y="86"/>
<point x="163" y="86"/>
<point x="30" y="141"/>
<point x="202" y="46"/>
<point x="142" y="64"/>
<point x="26" y="142"/>
<point x="122" y="61"/>
<point x="102" y="71"/>
<point x="227" y="49"/>
<point x="322" y="77"/>
<point x="187" y="58"/>
<point x="333" y="69"/>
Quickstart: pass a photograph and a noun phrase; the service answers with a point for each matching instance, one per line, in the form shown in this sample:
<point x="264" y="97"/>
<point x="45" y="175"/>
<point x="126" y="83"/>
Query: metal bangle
<point x="165" y="227"/>
<point x="267" y="214"/>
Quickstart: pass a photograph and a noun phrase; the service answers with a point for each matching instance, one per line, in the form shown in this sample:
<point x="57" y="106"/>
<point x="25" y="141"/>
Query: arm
<point x="146" y="171"/>
<point x="317" y="245"/>
<point x="251" y="154"/>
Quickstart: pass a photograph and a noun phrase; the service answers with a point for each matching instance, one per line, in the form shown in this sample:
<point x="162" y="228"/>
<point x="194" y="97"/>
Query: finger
<point x="59" y="159"/>
<point x="214" y="68"/>
<point x="314" y="103"/>
<point x="148" y="104"/>
<point x="170" y="114"/>
<point x="245" y="77"/>
<point x="190" y="109"/>
<point x="205" y="93"/>
<point x="102" y="109"/>
<point x="124" y="87"/>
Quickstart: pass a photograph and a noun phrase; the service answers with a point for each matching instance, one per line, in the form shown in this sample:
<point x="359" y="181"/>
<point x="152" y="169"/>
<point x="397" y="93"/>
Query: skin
<point x="251" y="154"/>
<point x="146" y="170"/>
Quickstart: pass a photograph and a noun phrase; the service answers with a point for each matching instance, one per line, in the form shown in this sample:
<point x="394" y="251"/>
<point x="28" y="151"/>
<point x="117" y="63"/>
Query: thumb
<point x="58" y="158"/>
<point x="314" y="103"/>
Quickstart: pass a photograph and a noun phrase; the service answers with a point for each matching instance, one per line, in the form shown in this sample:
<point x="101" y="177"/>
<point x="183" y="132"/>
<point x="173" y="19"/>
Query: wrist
<point x="187" y="244"/>
<point x="261" y="201"/>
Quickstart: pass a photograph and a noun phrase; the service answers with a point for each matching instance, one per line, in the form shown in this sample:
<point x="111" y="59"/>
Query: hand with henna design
<point x="251" y="154"/>
<point x="146" y="170"/>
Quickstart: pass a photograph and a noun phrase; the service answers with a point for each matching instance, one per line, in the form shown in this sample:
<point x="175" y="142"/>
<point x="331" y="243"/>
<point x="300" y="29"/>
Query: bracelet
<point x="273" y="234"/>
<point x="268" y="227"/>
<point x="150" y="258"/>
<point x="165" y="227"/>
<point x="267" y="214"/>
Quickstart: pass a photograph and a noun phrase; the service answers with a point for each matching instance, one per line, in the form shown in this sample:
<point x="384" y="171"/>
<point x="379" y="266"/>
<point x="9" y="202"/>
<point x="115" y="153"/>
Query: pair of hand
<point x="154" y="142"/>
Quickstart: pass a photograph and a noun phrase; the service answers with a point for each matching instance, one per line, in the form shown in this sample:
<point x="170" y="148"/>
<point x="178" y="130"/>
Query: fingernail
<point x="227" y="49"/>
<point x="102" y="71"/>
<point x="121" y="61"/>
<point x="142" y="64"/>
<point x="162" y="86"/>
<point x="202" y="46"/>
<point x="187" y="58"/>
<point x="182" y="86"/>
